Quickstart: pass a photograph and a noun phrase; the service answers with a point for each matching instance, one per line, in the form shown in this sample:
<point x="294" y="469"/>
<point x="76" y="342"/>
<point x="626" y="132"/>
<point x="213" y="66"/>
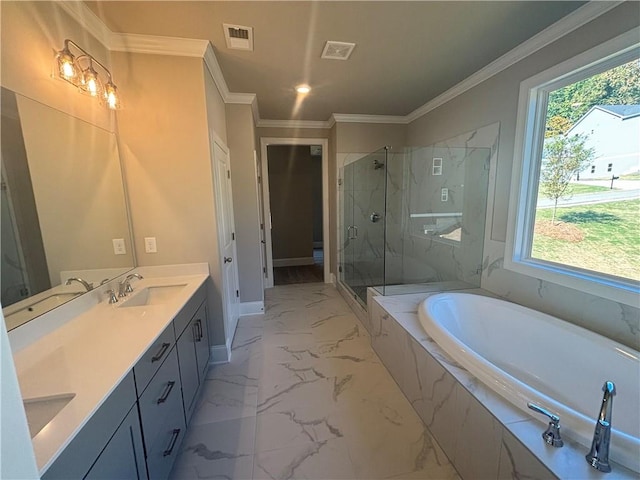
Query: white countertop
<point x="91" y="353"/>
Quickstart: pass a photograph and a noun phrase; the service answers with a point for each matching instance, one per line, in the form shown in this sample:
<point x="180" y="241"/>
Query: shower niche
<point x="413" y="219"/>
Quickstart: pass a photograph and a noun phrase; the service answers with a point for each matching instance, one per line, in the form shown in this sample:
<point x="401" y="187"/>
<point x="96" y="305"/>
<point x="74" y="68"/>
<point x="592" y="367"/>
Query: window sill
<point x="603" y="286"/>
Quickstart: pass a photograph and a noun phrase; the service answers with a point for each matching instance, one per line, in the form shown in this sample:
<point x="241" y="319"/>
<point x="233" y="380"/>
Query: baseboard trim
<point x="292" y="262"/>
<point x="251" y="308"/>
<point x="219" y="354"/>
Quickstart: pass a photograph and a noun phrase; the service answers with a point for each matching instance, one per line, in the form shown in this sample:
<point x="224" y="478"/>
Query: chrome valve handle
<point x="552" y="434"/>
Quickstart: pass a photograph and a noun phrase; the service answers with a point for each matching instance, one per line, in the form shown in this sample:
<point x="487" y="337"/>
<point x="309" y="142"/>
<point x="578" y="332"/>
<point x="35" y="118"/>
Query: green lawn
<point x="611" y="242"/>
<point x="577" y="188"/>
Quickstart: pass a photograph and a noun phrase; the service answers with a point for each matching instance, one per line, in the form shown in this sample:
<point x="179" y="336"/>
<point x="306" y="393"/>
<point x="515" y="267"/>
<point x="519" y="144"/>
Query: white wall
<point x="495" y="100"/>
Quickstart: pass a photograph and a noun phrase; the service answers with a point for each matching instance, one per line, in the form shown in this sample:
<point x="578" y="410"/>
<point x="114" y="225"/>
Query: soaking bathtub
<point x="528" y="356"/>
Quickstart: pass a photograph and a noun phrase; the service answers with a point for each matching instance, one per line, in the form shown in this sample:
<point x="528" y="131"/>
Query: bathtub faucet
<point x="598" y="456"/>
<point x="551" y="435"/>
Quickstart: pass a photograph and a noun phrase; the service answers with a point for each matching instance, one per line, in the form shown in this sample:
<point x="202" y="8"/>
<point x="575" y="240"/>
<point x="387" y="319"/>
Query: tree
<point x="617" y="86"/>
<point x="563" y="157"/>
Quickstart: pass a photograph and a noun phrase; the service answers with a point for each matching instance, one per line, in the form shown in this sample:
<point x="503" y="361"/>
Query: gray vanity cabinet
<point x="201" y="320"/>
<point x="123" y="457"/>
<point x="193" y="349"/>
<point x="193" y="352"/>
<point x="162" y="417"/>
<point x="104" y="434"/>
<point x="136" y="433"/>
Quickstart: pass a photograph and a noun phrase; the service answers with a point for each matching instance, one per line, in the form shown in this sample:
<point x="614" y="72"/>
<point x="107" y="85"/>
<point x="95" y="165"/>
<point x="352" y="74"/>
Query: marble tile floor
<point x="306" y="397"/>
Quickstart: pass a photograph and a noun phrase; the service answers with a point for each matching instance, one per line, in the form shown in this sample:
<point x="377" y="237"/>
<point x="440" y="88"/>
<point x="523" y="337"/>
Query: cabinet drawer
<point x="164" y="448"/>
<point x="185" y="315"/>
<point x="162" y="400"/>
<point x="150" y="362"/>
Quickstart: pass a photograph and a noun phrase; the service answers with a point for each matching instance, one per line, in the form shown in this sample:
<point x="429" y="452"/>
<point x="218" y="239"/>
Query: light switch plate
<point x="119" y="246"/>
<point x="444" y="194"/>
<point x="150" y="245"/>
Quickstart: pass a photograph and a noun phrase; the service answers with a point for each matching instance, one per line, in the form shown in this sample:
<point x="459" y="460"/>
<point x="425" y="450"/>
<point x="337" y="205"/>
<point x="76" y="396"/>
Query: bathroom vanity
<point x="110" y="391"/>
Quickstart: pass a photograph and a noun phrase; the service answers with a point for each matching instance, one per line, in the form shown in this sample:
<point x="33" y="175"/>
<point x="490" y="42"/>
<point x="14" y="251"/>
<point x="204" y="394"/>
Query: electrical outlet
<point x="119" y="247"/>
<point x="150" y="245"/>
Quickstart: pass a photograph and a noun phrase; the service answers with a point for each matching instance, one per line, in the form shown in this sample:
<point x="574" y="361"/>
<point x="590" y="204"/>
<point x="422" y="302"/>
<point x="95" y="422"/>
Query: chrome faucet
<point x="598" y="456"/>
<point x="85" y="284"/>
<point x="551" y="435"/>
<point x="124" y="288"/>
<point x="112" y="297"/>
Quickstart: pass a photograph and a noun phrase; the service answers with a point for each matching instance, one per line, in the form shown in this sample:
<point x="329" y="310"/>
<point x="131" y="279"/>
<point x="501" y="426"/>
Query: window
<point x="567" y="225"/>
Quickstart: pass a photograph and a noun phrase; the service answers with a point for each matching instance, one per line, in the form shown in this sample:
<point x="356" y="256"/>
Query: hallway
<point x="305" y="396"/>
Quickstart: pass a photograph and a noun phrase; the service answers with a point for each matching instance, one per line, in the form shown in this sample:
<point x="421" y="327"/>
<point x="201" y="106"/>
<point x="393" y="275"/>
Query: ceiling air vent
<point x="337" y="50"/>
<point x="238" y="37"/>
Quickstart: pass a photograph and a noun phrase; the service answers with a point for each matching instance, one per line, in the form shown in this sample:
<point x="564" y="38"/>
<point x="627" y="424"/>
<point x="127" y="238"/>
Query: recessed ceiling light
<point x="303" y="89"/>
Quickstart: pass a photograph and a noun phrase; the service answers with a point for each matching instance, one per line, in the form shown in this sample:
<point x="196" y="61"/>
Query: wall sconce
<point x="79" y="69"/>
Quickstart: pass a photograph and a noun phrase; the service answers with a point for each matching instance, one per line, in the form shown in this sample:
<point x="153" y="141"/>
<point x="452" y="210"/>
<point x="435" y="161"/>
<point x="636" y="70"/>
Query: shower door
<point x="363" y="231"/>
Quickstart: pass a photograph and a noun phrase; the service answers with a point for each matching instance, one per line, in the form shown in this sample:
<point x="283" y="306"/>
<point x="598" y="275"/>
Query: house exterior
<point x="614" y="132"/>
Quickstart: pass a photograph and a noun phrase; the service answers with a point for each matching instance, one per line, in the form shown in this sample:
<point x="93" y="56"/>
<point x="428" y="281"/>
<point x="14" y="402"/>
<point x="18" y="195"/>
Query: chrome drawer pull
<point x="174" y="438"/>
<point x="166" y="393"/>
<point x="161" y="353"/>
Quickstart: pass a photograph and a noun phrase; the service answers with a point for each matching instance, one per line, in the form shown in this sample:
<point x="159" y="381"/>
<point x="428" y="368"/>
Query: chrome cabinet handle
<point x="174" y="438"/>
<point x="167" y="391"/>
<point x="161" y="353"/>
<point x="551" y="435"/>
<point x="228" y="259"/>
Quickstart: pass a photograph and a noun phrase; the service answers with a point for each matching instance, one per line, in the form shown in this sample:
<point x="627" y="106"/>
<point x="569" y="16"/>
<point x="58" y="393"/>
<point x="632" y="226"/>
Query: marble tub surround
<point x="482" y="434"/>
<point x="91" y="351"/>
<point x="305" y="396"/>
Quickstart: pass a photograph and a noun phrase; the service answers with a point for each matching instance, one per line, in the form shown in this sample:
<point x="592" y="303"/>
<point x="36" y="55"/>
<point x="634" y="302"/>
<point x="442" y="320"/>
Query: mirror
<point x="63" y="208"/>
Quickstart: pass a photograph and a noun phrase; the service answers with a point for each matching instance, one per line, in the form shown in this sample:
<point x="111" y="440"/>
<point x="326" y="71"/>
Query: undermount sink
<point x="41" y="410"/>
<point x="153" y="295"/>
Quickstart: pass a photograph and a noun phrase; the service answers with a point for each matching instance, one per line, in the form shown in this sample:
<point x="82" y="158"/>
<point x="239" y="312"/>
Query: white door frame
<point x="324" y="142"/>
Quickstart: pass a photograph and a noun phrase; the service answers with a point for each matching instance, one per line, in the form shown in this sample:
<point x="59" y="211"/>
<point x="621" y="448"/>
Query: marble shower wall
<point x="444" y="208"/>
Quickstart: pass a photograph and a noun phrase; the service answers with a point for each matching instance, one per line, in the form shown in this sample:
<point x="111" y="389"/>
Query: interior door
<point x="226" y="238"/>
<point x="263" y="239"/>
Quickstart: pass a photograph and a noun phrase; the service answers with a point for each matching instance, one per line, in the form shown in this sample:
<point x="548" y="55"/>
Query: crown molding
<point x="349" y="118"/>
<point x="156" y="45"/>
<point x="262" y="123"/>
<point x="559" y="29"/>
<point x="88" y="20"/>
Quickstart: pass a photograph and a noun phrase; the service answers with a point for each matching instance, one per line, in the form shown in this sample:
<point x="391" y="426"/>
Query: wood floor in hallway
<point x="306" y="397"/>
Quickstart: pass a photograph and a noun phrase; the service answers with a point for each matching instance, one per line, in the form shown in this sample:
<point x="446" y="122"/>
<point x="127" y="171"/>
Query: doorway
<point x="295" y="200"/>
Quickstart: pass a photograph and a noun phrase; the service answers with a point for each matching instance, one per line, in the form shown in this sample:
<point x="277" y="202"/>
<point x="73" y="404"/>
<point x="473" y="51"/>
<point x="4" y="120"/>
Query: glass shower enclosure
<point x="413" y="219"/>
<point x="363" y="233"/>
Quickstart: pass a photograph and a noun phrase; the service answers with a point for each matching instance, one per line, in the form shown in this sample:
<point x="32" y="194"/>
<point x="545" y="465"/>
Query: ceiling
<point x="406" y="53"/>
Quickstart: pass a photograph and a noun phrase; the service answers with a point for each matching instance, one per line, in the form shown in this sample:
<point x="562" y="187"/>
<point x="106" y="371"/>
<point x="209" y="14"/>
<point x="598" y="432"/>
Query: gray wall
<point x="495" y="100"/>
<point x="164" y="144"/>
<point x="241" y="137"/>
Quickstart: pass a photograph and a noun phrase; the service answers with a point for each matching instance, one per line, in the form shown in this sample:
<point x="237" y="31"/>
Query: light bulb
<point x="65" y="64"/>
<point x="67" y="70"/>
<point x="110" y="95"/>
<point x="90" y="81"/>
<point x="303" y="89"/>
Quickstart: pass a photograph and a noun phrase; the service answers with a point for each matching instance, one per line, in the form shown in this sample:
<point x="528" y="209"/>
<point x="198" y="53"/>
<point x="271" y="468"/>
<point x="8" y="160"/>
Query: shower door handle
<point x="375" y="217"/>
